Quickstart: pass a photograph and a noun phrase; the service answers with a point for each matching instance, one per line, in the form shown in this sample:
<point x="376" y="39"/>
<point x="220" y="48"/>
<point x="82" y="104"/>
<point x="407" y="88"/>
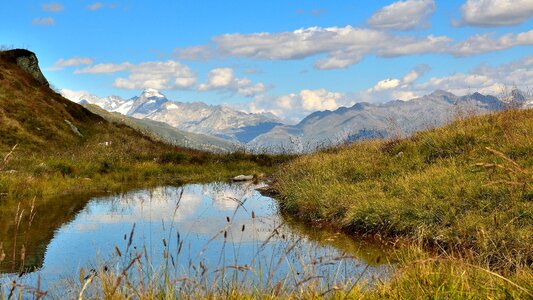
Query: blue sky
<point x="285" y="57"/>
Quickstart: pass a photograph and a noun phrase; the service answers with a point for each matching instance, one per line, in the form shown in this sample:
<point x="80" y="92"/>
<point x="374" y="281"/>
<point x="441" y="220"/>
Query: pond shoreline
<point x="238" y="219"/>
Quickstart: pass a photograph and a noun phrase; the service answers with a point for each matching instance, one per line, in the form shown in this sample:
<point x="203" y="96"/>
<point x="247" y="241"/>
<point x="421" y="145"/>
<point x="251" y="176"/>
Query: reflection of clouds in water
<point x="229" y="197"/>
<point x="157" y="204"/>
<point x="259" y="229"/>
<point x="195" y="214"/>
<point x="86" y="226"/>
<point x="201" y="214"/>
<point x="202" y="211"/>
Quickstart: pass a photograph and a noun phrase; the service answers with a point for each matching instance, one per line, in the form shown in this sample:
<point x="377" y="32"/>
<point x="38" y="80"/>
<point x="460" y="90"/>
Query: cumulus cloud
<point x="218" y="78"/>
<point x="321" y="99"/>
<point x="394" y="88"/>
<point x="496" y="12"/>
<point x="95" y="6"/>
<point x="403" y="15"/>
<point x="49" y="21"/>
<point x="52" y="7"/>
<point x="294" y="106"/>
<point x="71" y="62"/>
<point x="224" y="79"/>
<point x="158" y="75"/>
<point x="386" y="84"/>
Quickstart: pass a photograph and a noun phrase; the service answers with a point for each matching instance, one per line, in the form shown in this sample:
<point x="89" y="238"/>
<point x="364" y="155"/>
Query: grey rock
<point x="243" y="178"/>
<point x="74" y="128"/>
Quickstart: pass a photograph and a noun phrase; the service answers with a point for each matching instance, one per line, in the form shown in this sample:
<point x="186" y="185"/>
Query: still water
<point x="212" y="231"/>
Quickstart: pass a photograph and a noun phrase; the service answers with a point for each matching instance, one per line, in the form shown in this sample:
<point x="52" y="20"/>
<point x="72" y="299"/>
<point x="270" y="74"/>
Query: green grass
<point x="463" y="192"/>
<point x="460" y="196"/>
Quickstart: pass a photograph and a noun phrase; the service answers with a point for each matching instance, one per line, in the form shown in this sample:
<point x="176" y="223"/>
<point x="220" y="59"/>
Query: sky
<point x="286" y="57"/>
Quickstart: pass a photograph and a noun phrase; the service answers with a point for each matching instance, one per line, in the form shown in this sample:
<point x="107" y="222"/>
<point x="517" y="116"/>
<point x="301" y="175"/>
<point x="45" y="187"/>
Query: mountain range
<point x="366" y="120"/>
<point x="266" y="133"/>
<point x="195" y="117"/>
<point x="166" y="133"/>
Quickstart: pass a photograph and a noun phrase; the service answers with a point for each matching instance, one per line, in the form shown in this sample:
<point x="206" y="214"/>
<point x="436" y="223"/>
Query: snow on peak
<point x="149" y="92"/>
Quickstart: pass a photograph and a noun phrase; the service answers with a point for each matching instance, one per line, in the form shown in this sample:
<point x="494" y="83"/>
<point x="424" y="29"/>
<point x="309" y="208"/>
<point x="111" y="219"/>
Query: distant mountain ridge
<point x="265" y="133"/>
<point x="366" y="120"/>
<point x="196" y="117"/>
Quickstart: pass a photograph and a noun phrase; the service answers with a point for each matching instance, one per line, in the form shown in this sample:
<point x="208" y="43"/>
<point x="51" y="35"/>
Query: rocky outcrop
<point x="27" y="61"/>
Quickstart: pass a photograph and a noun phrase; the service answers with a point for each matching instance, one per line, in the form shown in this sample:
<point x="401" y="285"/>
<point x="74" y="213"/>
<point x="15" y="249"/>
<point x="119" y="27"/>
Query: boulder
<point x="243" y="178"/>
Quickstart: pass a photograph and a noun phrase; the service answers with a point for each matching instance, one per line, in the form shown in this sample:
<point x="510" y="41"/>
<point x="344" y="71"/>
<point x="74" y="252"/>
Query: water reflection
<point x="215" y="225"/>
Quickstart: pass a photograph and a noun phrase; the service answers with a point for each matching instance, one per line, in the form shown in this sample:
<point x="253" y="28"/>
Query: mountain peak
<point x="149" y="93"/>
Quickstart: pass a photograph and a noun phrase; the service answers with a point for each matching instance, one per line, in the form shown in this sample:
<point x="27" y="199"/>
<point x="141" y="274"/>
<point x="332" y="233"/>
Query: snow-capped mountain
<point x="110" y="103"/>
<point x="194" y="117"/>
<point x="264" y="132"/>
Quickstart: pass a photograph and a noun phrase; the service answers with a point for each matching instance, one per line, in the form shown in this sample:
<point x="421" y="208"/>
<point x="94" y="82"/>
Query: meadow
<point x="459" y="196"/>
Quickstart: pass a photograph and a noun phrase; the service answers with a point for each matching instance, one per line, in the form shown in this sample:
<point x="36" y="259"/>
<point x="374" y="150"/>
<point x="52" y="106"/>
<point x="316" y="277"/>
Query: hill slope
<point x="460" y="196"/>
<point x="38" y="119"/>
<point x="448" y="187"/>
<point x="166" y="133"/>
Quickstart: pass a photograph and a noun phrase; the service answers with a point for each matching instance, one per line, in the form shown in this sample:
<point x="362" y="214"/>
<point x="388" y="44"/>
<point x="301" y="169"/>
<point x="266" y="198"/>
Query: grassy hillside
<point x="463" y="192"/>
<point x="59" y="146"/>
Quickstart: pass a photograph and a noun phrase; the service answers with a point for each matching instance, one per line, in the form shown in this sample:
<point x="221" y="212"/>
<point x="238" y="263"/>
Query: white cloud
<point x="158" y="75"/>
<point x="218" y="78"/>
<point x="345" y="46"/>
<point x="95" y="6"/>
<point x="414" y="74"/>
<point x="224" y="79"/>
<point x="410" y="46"/>
<point x="202" y="53"/>
<point x="496" y="12"/>
<point x="403" y="15"/>
<point x="390" y="85"/>
<point x="71" y="62"/>
<point x="44" y="21"/>
<point x="386" y="84"/>
<point x="52" y="7"/>
<point x="484" y="79"/>
<point x="312" y="100"/>
<point x="294" y="106"/>
<point x="482" y="43"/>
<point x="247" y="89"/>
<point x="104" y="68"/>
